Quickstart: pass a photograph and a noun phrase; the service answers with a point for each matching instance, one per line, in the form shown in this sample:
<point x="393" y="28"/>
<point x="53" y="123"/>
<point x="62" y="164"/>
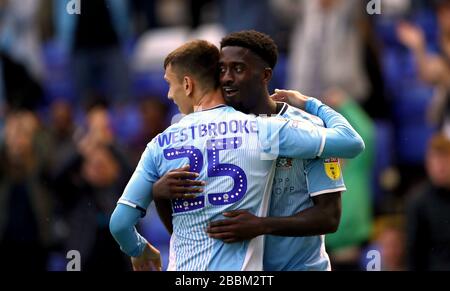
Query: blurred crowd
<point x="82" y="94"/>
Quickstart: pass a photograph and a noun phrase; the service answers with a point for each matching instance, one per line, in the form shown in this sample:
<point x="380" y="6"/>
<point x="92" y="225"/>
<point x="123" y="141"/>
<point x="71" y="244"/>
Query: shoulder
<point x="174" y="127"/>
<point x="230" y="110"/>
<point x="292" y="112"/>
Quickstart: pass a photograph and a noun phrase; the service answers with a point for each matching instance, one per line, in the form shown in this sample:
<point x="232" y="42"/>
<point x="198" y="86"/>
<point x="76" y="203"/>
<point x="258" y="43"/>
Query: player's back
<point x="220" y="144"/>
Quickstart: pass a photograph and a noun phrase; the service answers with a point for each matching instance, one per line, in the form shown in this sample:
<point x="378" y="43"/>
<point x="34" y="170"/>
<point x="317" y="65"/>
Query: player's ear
<point x="188" y="85"/>
<point x="267" y="75"/>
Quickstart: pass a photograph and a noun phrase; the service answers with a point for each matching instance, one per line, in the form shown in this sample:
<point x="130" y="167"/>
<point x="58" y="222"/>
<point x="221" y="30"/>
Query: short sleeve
<point x="290" y="138"/>
<point x="324" y="176"/>
<point x="138" y="192"/>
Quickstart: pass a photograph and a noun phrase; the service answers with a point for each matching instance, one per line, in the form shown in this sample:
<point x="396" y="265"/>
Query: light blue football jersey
<point x="295" y="182"/>
<point x="228" y="149"/>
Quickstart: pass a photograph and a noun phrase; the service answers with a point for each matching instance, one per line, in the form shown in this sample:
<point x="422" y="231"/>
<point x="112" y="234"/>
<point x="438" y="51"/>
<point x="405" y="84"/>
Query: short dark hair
<point x="440" y="3"/>
<point x="440" y="142"/>
<point x="259" y="43"/>
<point x="198" y="58"/>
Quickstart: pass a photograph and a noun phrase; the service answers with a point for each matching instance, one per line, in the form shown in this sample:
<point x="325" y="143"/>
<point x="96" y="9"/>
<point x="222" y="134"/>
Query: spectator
<point x="19" y="34"/>
<point x="20" y="89"/>
<point x="390" y="239"/>
<point x="96" y="39"/>
<point x="428" y="224"/>
<point x="25" y="205"/>
<point x="86" y="189"/>
<point x="433" y="68"/>
<point x="154" y="121"/>
<point x="61" y="133"/>
<point x="326" y="49"/>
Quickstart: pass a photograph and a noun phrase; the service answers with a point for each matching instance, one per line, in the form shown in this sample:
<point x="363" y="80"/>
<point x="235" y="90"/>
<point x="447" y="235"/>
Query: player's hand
<point x="411" y="36"/>
<point x="178" y="183"/>
<point x="241" y="225"/>
<point x="150" y="260"/>
<point x="291" y="97"/>
<point x="335" y="97"/>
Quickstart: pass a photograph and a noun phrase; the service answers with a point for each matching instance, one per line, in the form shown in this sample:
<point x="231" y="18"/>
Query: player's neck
<point x="265" y="106"/>
<point x="209" y="100"/>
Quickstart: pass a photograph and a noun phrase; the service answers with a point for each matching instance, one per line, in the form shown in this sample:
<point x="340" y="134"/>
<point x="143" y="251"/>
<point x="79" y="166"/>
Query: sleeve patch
<point x="332" y="168"/>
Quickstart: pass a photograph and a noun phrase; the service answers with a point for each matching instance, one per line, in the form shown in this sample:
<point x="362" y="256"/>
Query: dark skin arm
<point x="322" y="218"/>
<point x="178" y="183"/>
<point x="164" y="209"/>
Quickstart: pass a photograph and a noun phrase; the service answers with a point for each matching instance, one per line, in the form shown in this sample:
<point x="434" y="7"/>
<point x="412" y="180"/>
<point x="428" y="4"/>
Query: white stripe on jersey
<point x="172" y="257"/>
<point x="322" y="144"/>
<point x="128" y="203"/>
<point x="340" y="189"/>
<point x="254" y="257"/>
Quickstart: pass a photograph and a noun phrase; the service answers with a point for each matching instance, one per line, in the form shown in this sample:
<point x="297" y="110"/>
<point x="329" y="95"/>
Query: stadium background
<point x="79" y="100"/>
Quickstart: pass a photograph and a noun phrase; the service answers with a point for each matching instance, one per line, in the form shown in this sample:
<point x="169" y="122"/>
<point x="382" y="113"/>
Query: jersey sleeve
<point x="324" y="176"/>
<point x="122" y="227"/>
<point x="290" y="138"/>
<point x="133" y="203"/>
<point x="304" y="139"/>
<point x="341" y="139"/>
<point x="138" y="192"/>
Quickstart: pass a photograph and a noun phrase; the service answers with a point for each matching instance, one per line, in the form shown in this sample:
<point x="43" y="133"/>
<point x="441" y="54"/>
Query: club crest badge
<point x="284" y="163"/>
<point x="332" y="168"/>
